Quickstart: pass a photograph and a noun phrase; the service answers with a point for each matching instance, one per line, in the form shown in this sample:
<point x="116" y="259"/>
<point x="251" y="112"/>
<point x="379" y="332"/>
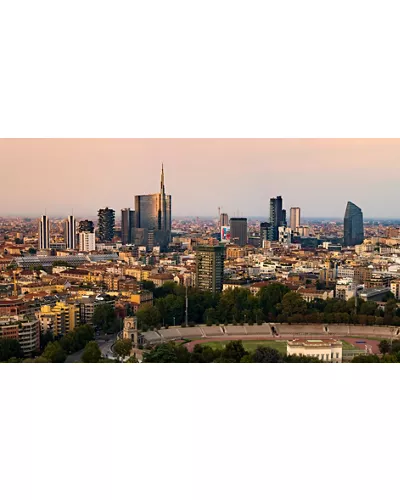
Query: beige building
<point x="395" y="289"/>
<point x="327" y="350"/>
<point x="23" y="329"/>
<point x="60" y="319"/>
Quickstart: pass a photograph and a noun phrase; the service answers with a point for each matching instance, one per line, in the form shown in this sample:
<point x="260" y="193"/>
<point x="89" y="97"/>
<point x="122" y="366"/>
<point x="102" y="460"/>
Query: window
<point x="337" y="355"/>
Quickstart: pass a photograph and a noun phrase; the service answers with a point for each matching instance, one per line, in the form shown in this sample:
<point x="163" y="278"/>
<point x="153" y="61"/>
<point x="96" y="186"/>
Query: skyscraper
<point x="70" y="232"/>
<point x="127" y="225"/>
<point x="153" y="217"/>
<point x="239" y="231"/>
<point x="224" y="220"/>
<point x="87" y="241"/>
<point x="106" y="224"/>
<point x="44" y="233"/>
<point x="86" y="226"/>
<point x="210" y="268"/>
<point x="294" y="218"/>
<point x="353" y="225"/>
<point x="276" y="216"/>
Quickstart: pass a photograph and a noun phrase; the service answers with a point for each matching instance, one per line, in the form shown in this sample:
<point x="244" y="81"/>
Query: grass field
<point x="280" y="345"/>
<point x="251" y="345"/>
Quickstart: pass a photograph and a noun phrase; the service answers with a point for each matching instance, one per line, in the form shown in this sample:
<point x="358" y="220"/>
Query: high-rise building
<point x="294" y="218"/>
<point x="238" y="227"/>
<point x="70" y="233"/>
<point x="284" y="220"/>
<point x="223" y="220"/>
<point x="86" y="226"/>
<point x="353" y="225"/>
<point x="127" y="225"/>
<point x="266" y="233"/>
<point x="210" y="268"/>
<point x="285" y="235"/>
<point x="87" y="241"/>
<point x="153" y="218"/>
<point x="44" y="233"/>
<point x="276" y="216"/>
<point x="106" y="224"/>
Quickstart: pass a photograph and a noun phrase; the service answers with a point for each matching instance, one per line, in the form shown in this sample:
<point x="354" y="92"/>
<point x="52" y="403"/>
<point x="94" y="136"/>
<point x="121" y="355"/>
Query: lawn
<point x="251" y="345"/>
<point x="350" y="347"/>
<point x="279" y="345"/>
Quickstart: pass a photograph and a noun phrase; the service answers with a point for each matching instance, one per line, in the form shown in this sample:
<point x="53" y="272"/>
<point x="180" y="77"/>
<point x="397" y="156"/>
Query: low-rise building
<point x="25" y="330"/>
<point x="327" y="350"/>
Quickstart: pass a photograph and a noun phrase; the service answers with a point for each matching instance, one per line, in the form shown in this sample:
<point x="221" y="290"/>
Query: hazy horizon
<point x="238" y="175"/>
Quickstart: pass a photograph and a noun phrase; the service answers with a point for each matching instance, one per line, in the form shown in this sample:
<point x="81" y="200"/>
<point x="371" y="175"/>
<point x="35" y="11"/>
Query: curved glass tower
<point x="353" y="225"/>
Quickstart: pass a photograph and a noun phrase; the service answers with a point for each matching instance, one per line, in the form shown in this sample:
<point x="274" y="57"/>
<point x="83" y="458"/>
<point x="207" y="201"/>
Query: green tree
<point x="204" y="354"/>
<point x="122" y="348"/>
<point x="148" y="317"/>
<point x="32" y="251"/>
<point x="384" y="346"/>
<point x="105" y="318"/>
<point x="167" y="353"/>
<point x="264" y="354"/>
<point x="369" y="308"/>
<point x="293" y="303"/>
<point x="92" y="353"/>
<point x="370" y="358"/>
<point x="10" y="348"/>
<point x="234" y="350"/>
<point x="270" y="296"/>
<point x="54" y="353"/>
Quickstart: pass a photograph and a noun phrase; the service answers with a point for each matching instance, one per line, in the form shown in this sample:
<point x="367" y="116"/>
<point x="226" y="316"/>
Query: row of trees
<point x="275" y="303"/>
<point x="233" y="352"/>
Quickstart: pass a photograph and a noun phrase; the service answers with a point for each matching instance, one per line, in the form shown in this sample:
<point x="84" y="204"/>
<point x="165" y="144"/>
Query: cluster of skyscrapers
<point x="149" y="224"/>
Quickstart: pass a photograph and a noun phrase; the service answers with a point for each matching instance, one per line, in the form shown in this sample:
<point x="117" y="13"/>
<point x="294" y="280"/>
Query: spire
<point x="162" y="179"/>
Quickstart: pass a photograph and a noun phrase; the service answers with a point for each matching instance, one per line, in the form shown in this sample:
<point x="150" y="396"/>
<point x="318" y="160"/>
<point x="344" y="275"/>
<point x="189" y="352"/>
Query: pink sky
<point x="240" y="175"/>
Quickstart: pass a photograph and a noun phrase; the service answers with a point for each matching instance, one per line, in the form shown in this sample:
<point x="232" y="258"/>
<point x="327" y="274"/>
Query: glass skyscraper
<point x="153" y="218"/>
<point x="353" y="225"/>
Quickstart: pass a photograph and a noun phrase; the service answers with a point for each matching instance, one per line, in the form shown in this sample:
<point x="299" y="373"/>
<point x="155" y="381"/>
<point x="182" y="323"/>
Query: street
<point x="105" y="348"/>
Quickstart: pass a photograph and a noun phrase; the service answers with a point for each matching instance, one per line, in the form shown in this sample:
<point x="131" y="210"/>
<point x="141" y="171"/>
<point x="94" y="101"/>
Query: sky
<point x="238" y="175"/>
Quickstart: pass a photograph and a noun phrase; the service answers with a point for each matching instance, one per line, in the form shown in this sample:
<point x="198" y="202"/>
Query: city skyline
<point x="238" y="175"/>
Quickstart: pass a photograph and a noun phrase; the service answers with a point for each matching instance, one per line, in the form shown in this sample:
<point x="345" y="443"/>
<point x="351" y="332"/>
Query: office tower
<point x="127" y="224"/>
<point x="266" y="233"/>
<point x="238" y="227"/>
<point x="87" y="241"/>
<point x="353" y="225"/>
<point x="210" y="268"/>
<point x="276" y="216"/>
<point x="86" y="226"/>
<point x="153" y="218"/>
<point x="294" y="218"/>
<point x="70" y="233"/>
<point x="285" y="235"/>
<point x="304" y="231"/>
<point x="224" y="220"/>
<point x="44" y="233"/>
<point x="106" y="224"/>
<point x="284" y="221"/>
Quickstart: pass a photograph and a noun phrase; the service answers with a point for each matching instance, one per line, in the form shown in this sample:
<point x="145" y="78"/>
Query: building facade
<point x="276" y="218"/>
<point x="210" y="268"/>
<point x="327" y="350"/>
<point x="106" y="224"/>
<point x="87" y="242"/>
<point x="70" y="233"/>
<point x="238" y="229"/>
<point x="127" y="225"/>
<point x="153" y="218"/>
<point x="353" y="225"/>
<point x="295" y="218"/>
<point x="44" y="233"/>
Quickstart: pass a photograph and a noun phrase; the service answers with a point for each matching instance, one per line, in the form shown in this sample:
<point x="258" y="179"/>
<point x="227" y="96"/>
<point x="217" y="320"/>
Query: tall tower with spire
<point x="153" y="217"/>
